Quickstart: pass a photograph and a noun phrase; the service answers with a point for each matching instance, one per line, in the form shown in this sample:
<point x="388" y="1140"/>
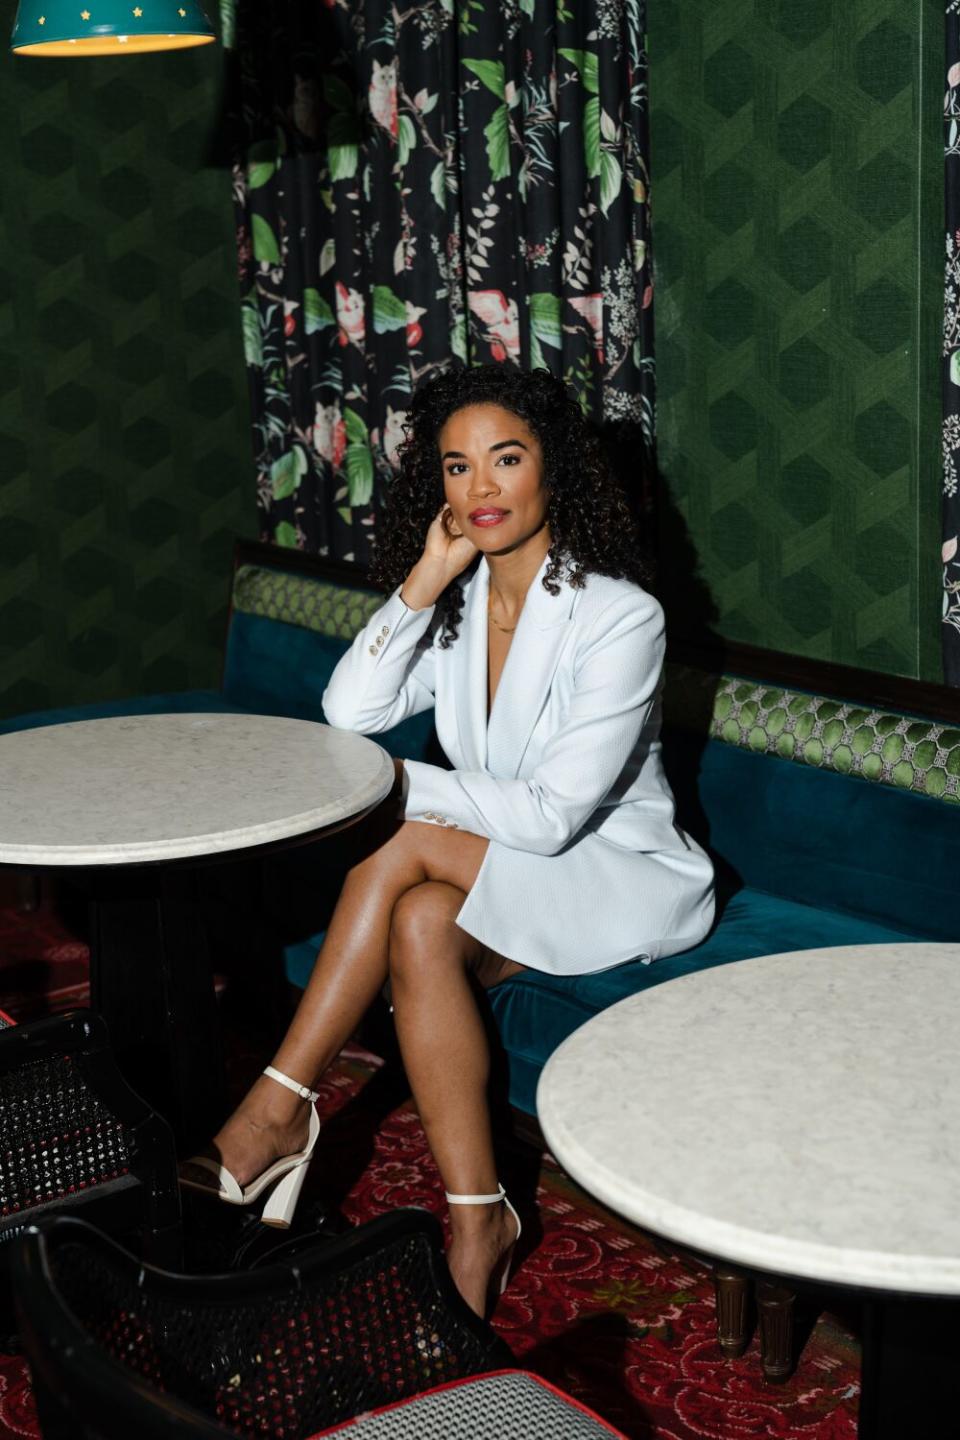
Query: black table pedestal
<point x="151" y="980"/>
<point x="911" y="1349"/>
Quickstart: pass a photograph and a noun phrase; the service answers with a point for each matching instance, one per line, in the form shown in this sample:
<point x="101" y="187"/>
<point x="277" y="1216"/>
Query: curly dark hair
<point x="592" y="529"/>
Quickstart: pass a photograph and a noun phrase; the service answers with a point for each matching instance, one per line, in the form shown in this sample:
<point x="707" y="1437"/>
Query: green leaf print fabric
<point x="420" y="183"/>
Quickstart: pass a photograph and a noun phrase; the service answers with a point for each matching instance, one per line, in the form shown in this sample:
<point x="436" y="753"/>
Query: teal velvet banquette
<point x="828" y="797"/>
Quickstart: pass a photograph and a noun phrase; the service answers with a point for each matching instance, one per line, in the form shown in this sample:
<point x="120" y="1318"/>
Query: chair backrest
<point x="73" y="1134"/>
<point x="289" y="1349"/>
<point x="811" y="796"/>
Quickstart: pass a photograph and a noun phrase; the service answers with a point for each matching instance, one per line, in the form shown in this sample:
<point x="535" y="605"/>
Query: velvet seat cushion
<point x="535" y="1012"/>
<point x="832" y="841"/>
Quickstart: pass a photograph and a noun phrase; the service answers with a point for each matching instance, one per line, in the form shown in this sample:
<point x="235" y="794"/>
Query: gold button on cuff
<point x="373" y="650"/>
<point x="385" y="631"/>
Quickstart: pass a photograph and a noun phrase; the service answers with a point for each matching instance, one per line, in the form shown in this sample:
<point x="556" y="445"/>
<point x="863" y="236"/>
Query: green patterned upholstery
<point x="329" y="609"/>
<point x="769" y="778"/>
<point x="899" y="750"/>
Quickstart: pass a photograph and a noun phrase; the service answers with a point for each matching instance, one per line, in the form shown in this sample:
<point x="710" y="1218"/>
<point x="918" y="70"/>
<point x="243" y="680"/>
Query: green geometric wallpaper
<point x="125" y="460"/>
<point x="798" y="198"/>
<point x="797" y="161"/>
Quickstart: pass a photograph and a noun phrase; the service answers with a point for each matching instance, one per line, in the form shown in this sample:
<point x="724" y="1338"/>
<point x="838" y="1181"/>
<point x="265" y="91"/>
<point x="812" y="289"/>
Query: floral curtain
<point x="420" y="182"/>
<point x="951" y="357"/>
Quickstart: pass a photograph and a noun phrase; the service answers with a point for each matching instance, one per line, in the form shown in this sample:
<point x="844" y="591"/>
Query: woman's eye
<point x="513" y="459"/>
<point x="456" y="468"/>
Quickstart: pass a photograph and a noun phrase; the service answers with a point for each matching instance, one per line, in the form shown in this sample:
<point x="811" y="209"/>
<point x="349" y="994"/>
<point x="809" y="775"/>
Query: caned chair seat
<point x="509" y="1405"/>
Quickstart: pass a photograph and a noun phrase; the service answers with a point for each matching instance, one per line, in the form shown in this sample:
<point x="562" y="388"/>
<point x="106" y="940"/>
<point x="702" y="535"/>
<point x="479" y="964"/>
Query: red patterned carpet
<point x="594" y="1307"/>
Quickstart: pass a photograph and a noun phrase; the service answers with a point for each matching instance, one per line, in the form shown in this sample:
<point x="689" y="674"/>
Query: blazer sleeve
<point x="387" y="674"/>
<point x="617" y="673"/>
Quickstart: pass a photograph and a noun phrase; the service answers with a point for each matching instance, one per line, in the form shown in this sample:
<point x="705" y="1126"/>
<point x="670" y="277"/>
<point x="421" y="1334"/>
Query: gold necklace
<point x="506" y="629"/>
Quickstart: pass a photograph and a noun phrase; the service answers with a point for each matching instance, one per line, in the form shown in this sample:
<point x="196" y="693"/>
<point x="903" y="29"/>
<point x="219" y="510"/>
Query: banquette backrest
<point x="799" y="784"/>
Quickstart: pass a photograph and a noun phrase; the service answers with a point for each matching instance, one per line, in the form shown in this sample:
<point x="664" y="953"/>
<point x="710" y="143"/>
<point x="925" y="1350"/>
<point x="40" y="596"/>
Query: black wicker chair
<point x="73" y="1135"/>
<point x="118" y="1349"/>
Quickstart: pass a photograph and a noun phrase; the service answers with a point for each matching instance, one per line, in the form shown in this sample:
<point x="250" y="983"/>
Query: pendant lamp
<point x="108" y="27"/>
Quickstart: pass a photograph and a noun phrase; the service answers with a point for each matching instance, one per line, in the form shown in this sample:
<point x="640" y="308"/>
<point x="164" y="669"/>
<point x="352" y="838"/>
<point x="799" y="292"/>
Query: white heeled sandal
<point x="501" y="1276"/>
<point x="283" y="1180"/>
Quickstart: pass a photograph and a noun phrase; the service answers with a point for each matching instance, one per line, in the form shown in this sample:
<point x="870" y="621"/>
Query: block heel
<point x="282" y="1200"/>
<point x="281" y="1182"/>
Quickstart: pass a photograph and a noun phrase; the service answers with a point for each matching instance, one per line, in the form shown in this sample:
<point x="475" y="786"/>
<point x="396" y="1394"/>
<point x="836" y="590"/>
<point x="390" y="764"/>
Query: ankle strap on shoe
<point x="476" y="1199"/>
<point x="303" y="1091"/>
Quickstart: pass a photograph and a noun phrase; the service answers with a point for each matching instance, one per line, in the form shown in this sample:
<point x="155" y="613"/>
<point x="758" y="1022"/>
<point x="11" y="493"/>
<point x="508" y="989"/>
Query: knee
<point x="421" y="928"/>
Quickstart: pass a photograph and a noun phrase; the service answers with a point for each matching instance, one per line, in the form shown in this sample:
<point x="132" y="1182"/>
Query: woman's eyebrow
<point x="500" y="445"/>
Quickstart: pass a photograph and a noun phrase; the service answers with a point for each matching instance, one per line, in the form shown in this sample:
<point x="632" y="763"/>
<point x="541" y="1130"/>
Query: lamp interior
<point x="113" y="44"/>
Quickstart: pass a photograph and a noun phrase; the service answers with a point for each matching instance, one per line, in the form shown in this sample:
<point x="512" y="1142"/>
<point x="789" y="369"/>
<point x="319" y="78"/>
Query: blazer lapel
<point x="540" y="636"/>
<point x="470" y="672"/>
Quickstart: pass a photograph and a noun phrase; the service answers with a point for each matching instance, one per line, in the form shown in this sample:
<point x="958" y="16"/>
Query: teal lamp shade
<point x="108" y="27"/>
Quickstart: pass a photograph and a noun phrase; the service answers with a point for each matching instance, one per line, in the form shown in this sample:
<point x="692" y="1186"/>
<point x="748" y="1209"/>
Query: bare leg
<point x="447" y="1061"/>
<point x="350" y="970"/>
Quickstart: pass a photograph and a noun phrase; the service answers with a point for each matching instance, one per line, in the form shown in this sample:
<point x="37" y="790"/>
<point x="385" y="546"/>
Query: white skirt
<point x="592" y="906"/>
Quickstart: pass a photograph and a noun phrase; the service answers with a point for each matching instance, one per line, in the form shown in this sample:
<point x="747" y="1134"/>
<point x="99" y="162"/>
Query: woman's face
<point x="493" y="477"/>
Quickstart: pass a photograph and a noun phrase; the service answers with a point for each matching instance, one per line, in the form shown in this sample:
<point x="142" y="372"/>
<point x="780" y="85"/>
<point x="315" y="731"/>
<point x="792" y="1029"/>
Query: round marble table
<point x="136" y="803"/>
<point x="798" y="1114"/>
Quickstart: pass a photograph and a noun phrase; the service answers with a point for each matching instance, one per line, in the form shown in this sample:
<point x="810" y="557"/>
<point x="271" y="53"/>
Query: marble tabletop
<point x="799" y="1113"/>
<point x="140" y="788"/>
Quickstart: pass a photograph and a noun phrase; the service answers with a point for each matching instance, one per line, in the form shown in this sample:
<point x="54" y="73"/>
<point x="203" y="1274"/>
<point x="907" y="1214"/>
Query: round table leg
<point x="775" y="1312"/>
<point x="732" y="1289"/>
<point x="151" y="981"/>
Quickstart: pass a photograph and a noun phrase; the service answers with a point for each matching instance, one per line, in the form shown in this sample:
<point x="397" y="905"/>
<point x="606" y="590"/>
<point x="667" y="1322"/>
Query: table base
<point x="910" y="1350"/>
<point x="151" y="980"/>
<point x="909" y="1344"/>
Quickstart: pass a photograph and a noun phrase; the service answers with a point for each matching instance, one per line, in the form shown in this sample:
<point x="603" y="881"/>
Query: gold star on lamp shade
<point x="57" y="27"/>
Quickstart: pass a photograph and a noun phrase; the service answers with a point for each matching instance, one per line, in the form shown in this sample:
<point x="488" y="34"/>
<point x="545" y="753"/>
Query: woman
<point x="517" y="611"/>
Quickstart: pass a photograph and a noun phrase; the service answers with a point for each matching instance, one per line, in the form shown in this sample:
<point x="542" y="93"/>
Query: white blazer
<point x="586" y="866"/>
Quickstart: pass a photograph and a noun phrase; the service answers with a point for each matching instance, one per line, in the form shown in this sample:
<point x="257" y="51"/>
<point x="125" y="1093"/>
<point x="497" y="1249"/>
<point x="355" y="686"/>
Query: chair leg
<point x="733" y="1296"/>
<point x="775" y="1310"/>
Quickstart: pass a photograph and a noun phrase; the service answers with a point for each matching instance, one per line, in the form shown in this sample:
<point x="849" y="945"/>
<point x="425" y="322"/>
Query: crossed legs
<point x="396" y="917"/>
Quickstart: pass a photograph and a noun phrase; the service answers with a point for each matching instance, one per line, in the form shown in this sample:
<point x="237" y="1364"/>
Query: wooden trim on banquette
<point x="820" y="677"/>
<point x="870" y="688"/>
<point x="257" y="552"/>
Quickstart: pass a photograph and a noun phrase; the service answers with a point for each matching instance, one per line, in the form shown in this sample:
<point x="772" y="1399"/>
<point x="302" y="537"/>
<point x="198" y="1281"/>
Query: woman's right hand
<point x="446" y="554"/>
